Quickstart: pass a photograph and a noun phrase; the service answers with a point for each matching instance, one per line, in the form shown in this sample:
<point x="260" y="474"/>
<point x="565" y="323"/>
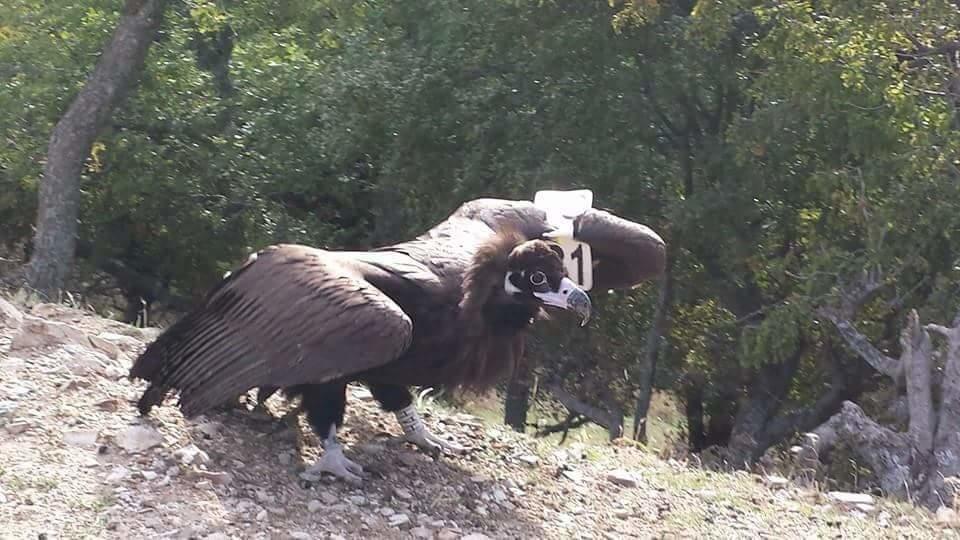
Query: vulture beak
<point x="569" y="297"/>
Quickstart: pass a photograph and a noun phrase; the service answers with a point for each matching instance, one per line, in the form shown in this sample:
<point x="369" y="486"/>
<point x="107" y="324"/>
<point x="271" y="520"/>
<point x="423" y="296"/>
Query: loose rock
<point x="107" y="347"/>
<point x="447" y="534"/>
<point x="399" y="520"/>
<point x="81" y="438"/>
<point x="421" y="532"/>
<point x="529" y="459"/>
<point x="623" y="478"/>
<point x="117" y="474"/>
<point x="850" y="498"/>
<point x="948" y="517"/>
<point x="10" y="316"/>
<point x="190" y="454"/>
<point x="127" y="344"/>
<point x="139" y="438"/>
<point x="776" y="482"/>
<point x="35" y="332"/>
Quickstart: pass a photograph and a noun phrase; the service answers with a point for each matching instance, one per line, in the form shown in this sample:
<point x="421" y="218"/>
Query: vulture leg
<point x="263" y="394"/>
<point x="325" y="405"/>
<point x="397" y="399"/>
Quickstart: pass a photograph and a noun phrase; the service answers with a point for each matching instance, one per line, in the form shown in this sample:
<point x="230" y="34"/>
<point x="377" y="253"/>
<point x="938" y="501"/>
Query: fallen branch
<point x="612" y="421"/>
<point x="572" y="421"/>
<point x="882" y="449"/>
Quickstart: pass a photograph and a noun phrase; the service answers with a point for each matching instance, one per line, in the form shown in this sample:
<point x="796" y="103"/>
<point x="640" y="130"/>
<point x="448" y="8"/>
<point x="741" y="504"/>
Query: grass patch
<point x="664" y="428"/>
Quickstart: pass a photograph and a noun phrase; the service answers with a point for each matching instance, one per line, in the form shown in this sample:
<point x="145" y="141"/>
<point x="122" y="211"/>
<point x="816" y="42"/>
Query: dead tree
<point x="921" y="464"/>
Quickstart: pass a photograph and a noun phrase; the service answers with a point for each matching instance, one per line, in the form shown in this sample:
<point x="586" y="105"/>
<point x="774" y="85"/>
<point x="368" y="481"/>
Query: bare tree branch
<point x="862" y="346"/>
<point x="853" y="296"/>
<point x="916" y="363"/>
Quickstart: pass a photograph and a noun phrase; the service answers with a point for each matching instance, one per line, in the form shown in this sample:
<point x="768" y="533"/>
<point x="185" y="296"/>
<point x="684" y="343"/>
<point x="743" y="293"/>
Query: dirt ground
<point x="76" y="461"/>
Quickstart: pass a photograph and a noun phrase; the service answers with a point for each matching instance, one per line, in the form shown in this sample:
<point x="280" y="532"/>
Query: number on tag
<point x="577" y="261"/>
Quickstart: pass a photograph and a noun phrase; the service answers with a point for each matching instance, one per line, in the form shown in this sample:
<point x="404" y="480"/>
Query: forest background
<point x="800" y="159"/>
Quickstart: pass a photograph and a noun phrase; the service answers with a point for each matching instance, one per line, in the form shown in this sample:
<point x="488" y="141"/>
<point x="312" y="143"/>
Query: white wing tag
<point x="562" y="207"/>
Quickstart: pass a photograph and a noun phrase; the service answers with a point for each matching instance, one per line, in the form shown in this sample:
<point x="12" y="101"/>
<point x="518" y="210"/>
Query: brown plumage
<point x="447" y="309"/>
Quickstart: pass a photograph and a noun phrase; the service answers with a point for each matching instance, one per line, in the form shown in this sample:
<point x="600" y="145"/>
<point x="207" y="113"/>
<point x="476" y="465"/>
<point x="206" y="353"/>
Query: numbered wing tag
<point x="562" y="207"/>
<point x="578" y="261"/>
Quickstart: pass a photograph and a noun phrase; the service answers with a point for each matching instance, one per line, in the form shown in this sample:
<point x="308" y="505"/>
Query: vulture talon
<point x="334" y="462"/>
<point x="414" y="431"/>
<point x="432" y="444"/>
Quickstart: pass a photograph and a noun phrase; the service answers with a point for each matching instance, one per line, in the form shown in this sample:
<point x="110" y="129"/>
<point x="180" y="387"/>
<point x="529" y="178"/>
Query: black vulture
<point x="447" y="309"/>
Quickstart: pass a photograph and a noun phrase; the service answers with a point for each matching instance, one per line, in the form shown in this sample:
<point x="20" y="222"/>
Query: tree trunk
<point x="648" y="363"/>
<point x="517" y="401"/>
<point x="767" y="392"/>
<point x="723" y="413"/>
<point x="58" y="208"/>
<point x="693" y="398"/>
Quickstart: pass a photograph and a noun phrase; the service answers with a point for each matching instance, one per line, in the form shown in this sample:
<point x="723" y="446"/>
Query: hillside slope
<point x="76" y="461"/>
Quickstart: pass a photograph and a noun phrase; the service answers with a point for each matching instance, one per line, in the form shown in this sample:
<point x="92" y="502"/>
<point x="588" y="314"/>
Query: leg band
<point x="410" y="420"/>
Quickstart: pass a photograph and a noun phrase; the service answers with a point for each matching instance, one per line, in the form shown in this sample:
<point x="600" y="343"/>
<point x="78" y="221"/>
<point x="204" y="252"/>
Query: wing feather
<point x="294" y="315"/>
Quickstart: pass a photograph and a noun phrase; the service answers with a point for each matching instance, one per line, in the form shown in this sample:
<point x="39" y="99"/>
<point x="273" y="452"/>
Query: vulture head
<point x="535" y="275"/>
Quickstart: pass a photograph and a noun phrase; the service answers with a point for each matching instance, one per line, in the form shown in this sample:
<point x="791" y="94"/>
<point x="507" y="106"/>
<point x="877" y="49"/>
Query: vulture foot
<point x="431" y="444"/>
<point x="415" y="431"/>
<point x="334" y="462"/>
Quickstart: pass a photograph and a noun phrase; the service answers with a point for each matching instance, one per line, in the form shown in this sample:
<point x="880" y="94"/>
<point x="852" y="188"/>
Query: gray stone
<point x="87" y="437"/>
<point x="622" y="478"/>
<point x="35" y="332"/>
<point x="108" y="348"/>
<point x="191" y="454"/>
<point x="139" y="438"/>
<point x="17" y="427"/>
<point x="10" y="316"/>
<point x="401" y="521"/>
<point x="529" y="459"/>
<point x="850" y="498"/>
<point x="421" y="532"/>
<point x="776" y="482"/>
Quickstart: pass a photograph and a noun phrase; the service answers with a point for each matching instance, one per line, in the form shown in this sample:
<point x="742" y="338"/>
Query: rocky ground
<point x="76" y="461"/>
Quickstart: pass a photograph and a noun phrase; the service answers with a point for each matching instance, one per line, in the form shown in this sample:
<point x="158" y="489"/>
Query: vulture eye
<point x="538" y="278"/>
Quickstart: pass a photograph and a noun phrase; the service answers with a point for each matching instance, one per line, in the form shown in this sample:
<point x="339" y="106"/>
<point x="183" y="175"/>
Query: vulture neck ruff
<point x="491" y="320"/>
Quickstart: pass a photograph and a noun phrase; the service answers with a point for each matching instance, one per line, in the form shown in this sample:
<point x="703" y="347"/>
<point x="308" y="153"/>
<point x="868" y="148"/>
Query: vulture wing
<point x="625" y="253"/>
<point x="291" y="315"/>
